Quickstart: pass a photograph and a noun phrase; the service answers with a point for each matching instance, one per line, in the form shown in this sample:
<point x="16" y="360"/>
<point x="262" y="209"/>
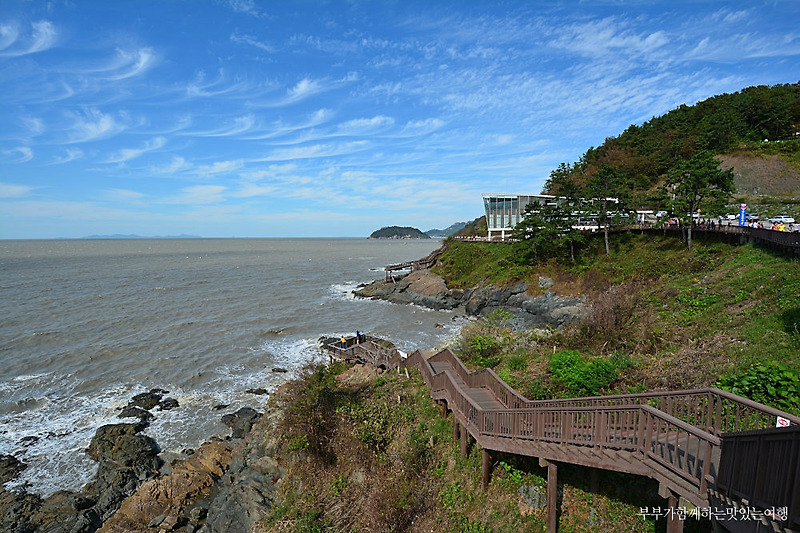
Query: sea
<point x="87" y="324"/>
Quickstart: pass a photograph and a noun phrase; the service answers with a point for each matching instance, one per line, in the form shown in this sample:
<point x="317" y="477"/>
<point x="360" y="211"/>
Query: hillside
<point x="670" y="317"/>
<point x="753" y="131"/>
<point x="452" y="229"/>
<point x="398" y="232"/>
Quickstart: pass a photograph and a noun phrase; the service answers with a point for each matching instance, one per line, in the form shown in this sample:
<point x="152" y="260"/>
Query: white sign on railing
<point x="782" y="422"/>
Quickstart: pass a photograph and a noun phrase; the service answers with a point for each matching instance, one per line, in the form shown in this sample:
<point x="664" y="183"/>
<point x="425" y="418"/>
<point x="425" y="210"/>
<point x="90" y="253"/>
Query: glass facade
<point x="504" y="211"/>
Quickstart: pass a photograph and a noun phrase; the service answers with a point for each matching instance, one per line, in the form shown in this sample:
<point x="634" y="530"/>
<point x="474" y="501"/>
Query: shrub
<point x="579" y="376"/>
<point x="774" y="385"/>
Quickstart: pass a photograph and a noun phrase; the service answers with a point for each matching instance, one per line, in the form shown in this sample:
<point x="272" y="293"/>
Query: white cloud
<point x="304" y="88"/>
<point x="252" y="41"/>
<point x="199" y="195"/>
<point x="19" y="154"/>
<point x="13" y="190"/>
<point x="130" y="64"/>
<point x="126" y="154"/>
<point x="93" y="125"/>
<point x="240" y="125"/>
<point x="123" y="195"/>
<point x="362" y="126"/>
<point x="219" y="167"/>
<point x="313" y="151"/>
<point x="42" y="37"/>
<point x="177" y="164"/>
<point x="71" y="154"/>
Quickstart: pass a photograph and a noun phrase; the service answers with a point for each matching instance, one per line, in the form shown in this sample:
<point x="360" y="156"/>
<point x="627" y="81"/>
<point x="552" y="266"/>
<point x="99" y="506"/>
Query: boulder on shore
<point x="423" y="287"/>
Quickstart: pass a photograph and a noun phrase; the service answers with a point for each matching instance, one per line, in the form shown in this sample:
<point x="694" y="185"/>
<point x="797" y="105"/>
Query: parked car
<point x="752" y="217"/>
<point x="782" y="219"/>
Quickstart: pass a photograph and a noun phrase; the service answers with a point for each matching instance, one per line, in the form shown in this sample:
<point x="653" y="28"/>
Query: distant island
<point x="398" y="232"/>
<point x="447" y="232"/>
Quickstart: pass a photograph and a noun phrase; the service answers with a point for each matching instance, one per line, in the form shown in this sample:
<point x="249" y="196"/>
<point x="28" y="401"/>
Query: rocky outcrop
<point x="225" y="486"/>
<point x="125" y="459"/>
<point x="427" y="289"/>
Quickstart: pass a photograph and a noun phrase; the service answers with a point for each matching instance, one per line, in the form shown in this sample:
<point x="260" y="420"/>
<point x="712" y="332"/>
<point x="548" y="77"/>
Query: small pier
<point x="367" y="350"/>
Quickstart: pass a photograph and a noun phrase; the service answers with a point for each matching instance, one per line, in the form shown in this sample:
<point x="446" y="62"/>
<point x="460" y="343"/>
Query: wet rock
<point x="259" y="391"/>
<point x="147" y="400"/>
<point x="10" y="467"/>
<point x="17" y="512"/>
<point x="427" y="289"/>
<point x="125" y="459"/>
<point x="135" y="412"/>
<point x="241" y="421"/>
<point x="68" y="512"/>
<point x="220" y="407"/>
<point x="168" y="403"/>
<point x="279" y="370"/>
<point x="30" y="439"/>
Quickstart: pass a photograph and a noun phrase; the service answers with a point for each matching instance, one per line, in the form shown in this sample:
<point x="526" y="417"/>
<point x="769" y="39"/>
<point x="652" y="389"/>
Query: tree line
<point x="669" y="162"/>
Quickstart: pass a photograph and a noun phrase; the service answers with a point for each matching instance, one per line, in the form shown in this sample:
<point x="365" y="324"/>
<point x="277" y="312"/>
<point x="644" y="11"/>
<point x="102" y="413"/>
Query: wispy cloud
<point x="14" y="190"/>
<point x="315" y="151"/>
<point x="43" y="35"/>
<point x="92" y="124"/>
<point x="220" y="167"/>
<point x="71" y="154"/>
<point x="19" y="154"/>
<point x="126" y="154"/>
<point x="198" y="195"/>
<point x="176" y="165"/>
<point x="247" y="7"/>
<point x="252" y="41"/>
<point x="238" y="126"/>
<point x="123" y="195"/>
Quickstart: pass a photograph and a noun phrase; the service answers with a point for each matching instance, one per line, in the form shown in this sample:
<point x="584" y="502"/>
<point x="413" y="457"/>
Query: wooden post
<point x="464" y="437"/>
<point x="552" y="497"/>
<point x="486" y="462"/>
<point x="455" y="427"/>
<point x="443" y="408"/>
<point x="674" y="523"/>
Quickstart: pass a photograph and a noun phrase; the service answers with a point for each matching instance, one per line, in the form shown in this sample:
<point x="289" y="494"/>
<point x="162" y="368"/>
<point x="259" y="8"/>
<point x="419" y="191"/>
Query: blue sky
<point x="298" y="118"/>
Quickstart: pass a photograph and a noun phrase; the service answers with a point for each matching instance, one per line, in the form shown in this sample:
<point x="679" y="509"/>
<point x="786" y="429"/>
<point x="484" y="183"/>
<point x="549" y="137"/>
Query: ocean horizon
<point x="91" y="322"/>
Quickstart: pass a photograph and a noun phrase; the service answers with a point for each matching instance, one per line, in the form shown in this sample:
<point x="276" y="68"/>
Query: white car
<point x="782" y="219"/>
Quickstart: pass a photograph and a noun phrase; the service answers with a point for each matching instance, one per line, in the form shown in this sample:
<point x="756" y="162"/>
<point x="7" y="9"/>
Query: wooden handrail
<point x="680" y="433"/>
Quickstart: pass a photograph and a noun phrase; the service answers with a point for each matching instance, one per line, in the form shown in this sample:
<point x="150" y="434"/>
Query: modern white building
<point x="504" y="211"/>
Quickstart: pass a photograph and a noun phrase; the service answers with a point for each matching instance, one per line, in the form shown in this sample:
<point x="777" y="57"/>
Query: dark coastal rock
<point x="125" y="459"/>
<point x="241" y="421"/>
<point x="258" y="392"/>
<point x="17" y="511"/>
<point x="279" y="370"/>
<point x="10" y="467"/>
<point x="68" y="512"/>
<point x="135" y="412"/>
<point x="168" y="403"/>
<point x="429" y="290"/>
<point x="147" y="400"/>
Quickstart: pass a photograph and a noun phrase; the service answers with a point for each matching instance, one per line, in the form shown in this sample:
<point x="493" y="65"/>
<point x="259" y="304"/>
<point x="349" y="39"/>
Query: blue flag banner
<point x="742" y="214"/>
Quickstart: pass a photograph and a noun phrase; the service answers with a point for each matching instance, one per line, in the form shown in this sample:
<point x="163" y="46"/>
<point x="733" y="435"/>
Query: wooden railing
<point x="712" y="410"/>
<point x="676" y="431"/>
<point x="763" y="468"/>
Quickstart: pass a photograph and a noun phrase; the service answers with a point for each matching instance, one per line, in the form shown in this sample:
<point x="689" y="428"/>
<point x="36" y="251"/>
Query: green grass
<point x="680" y="318"/>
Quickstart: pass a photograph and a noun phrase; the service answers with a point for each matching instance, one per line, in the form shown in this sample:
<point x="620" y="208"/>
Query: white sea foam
<point x="122" y="317"/>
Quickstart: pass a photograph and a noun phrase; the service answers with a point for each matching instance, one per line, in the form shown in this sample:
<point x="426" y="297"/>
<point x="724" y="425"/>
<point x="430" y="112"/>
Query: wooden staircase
<point x="673" y="437"/>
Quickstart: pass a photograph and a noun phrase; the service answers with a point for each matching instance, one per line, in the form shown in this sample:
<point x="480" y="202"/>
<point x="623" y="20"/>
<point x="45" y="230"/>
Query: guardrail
<point x="678" y="431"/>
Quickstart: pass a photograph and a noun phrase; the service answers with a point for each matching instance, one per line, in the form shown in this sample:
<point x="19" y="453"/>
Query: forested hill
<point x="760" y="122"/>
<point x="398" y="232"/>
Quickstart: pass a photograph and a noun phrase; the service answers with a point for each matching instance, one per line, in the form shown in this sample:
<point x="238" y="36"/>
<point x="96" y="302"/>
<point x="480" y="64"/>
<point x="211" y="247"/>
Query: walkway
<point x="681" y="439"/>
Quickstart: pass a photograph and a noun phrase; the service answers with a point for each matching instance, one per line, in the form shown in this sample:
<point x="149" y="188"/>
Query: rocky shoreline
<point x="223" y="486"/>
<point x="424" y="288"/>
